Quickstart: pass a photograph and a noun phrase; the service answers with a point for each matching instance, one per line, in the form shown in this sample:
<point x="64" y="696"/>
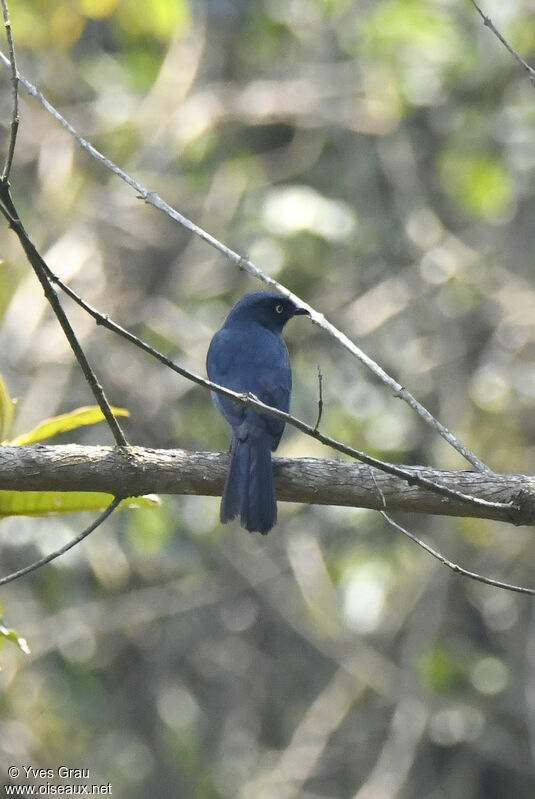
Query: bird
<point x="248" y="355"/>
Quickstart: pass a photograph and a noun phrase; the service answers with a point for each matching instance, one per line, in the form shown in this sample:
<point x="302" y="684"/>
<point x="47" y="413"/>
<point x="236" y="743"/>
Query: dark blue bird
<point x="248" y="355"/>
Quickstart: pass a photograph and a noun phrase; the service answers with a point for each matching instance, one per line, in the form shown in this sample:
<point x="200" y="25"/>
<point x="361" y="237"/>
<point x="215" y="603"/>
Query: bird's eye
<point x="279" y="308"/>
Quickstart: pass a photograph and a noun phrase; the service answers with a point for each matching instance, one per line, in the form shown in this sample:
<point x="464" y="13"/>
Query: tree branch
<point x="7" y="208"/>
<point x="152" y="198"/>
<point x="491" y="26"/>
<point x="15" y="90"/>
<point x="250" y="401"/>
<point x="455" y="567"/>
<point x="135" y="470"/>
<point x="9" y="578"/>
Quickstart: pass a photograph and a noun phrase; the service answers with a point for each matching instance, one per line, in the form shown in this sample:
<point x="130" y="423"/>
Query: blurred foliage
<point x="13" y="637"/>
<point x="378" y="158"/>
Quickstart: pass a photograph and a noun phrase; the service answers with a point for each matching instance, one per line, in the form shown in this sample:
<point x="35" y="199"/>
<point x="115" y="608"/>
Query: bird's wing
<point x="251" y="361"/>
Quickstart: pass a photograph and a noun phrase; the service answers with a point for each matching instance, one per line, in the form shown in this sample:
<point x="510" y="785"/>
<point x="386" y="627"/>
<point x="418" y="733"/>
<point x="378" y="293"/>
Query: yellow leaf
<point x="51" y="503"/>
<point x="14" y="637"/>
<point x="6" y="410"/>
<point x="66" y="421"/>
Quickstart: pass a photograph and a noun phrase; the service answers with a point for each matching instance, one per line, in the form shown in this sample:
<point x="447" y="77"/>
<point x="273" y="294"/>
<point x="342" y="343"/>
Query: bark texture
<point x="132" y="471"/>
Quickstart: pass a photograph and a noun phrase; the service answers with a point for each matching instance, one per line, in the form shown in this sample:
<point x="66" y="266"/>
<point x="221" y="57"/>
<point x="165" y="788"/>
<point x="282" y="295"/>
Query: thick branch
<point x="133" y="471"/>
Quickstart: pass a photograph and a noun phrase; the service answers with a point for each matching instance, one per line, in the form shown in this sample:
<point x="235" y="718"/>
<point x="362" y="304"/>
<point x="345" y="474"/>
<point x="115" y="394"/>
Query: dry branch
<point x="132" y="471"/>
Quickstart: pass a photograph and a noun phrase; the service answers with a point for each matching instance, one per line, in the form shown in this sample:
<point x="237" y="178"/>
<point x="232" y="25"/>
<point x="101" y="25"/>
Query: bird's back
<point x="248" y="358"/>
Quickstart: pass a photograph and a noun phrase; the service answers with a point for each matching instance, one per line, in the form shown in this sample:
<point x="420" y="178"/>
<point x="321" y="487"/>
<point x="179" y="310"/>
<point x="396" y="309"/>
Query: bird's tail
<point x="249" y="490"/>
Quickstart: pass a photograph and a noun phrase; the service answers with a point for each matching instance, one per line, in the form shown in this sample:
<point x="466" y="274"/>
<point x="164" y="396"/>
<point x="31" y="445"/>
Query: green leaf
<point x="6" y="410"/>
<point x="441" y="670"/>
<point x="478" y="181"/>
<point x="14" y="637"/>
<point x="66" y="421"/>
<point x="158" y="17"/>
<point x="48" y="503"/>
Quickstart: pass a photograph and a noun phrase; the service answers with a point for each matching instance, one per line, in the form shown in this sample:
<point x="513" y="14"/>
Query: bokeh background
<point x="378" y="159"/>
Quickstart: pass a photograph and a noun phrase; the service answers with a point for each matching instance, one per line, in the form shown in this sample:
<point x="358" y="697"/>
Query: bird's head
<point x="264" y="308"/>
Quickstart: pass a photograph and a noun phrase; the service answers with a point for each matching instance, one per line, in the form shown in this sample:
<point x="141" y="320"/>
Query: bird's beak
<point x="301" y="312"/>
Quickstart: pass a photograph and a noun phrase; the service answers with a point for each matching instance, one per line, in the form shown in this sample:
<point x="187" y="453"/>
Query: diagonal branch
<point x="250" y="401"/>
<point x="42" y="272"/>
<point x="8" y="210"/>
<point x="65" y="548"/>
<point x="15" y="89"/>
<point x="491" y="26"/>
<point x="155" y="200"/>
<point x="442" y="558"/>
<point x="480" y="578"/>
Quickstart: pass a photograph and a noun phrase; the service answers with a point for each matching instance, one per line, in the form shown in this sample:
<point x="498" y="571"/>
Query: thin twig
<point x="155" y="200"/>
<point x="7" y="208"/>
<point x="15" y="91"/>
<point x="320" y="398"/>
<point x="251" y="401"/>
<point x="490" y="25"/>
<point x="61" y="551"/>
<point x="442" y="558"/>
<point x="455" y="566"/>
